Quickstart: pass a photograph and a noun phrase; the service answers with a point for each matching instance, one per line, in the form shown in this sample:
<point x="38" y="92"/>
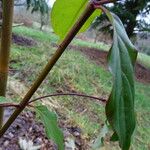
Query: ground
<point x="28" y="128"/>
<point x="100" y="58"/>
<point x="85" y="72"/>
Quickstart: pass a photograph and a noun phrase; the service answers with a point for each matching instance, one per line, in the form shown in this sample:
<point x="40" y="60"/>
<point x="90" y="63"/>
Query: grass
<point x="74" y="72"/>
<point x="98" y="45"/>
<point x="144" y="59"/>
<point x="40" y="36"/>
<point x="50" y="37"/>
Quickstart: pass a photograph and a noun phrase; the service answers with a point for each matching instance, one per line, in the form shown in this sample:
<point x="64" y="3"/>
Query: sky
<point x="50" y="2"/>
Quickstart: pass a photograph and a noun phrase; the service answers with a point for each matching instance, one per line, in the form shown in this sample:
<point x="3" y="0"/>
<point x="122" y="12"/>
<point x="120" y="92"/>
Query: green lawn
<point x="74" y="72"/>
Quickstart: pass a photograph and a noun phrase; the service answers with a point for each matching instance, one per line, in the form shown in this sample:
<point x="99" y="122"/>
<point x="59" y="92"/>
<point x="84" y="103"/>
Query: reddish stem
<point x="13" y="105"/>
<point x="69" y="94"/>
<point x="54" y="95"/>
<point x="9" y="105"/>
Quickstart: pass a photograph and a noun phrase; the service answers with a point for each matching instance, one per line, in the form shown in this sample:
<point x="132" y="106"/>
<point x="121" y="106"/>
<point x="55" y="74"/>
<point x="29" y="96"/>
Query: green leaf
<point x="120" y="107"/>
<point x="114" y="137"/>
<point x="65" y="13"/>
<point x="49" y="120"/>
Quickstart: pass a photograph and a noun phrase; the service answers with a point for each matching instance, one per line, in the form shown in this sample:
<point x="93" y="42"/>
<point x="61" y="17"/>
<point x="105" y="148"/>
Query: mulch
<point x="24" y="127"/>
<point x="27" y="127"/>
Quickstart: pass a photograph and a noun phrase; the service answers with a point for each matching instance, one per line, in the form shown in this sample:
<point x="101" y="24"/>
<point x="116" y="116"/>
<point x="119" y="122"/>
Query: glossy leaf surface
<point x="65" y="13"/>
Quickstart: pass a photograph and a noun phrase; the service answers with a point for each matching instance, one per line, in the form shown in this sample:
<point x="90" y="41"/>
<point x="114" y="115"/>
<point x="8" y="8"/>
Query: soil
<point x="100" y="58"/>
<point x="26" y="127"/>
<point x="142" y="73"/>
<point x="23" y="41"/>
<point x="97" y="56"/>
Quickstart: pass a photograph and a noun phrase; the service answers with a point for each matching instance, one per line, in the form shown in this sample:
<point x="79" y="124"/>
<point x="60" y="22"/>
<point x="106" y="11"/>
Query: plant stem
<point x="55" y="95"/>
<point x="9" y="105"/>
<point x="86" y="14"/>
<point x="69" y="94"/>
<point x="6" y="34"/>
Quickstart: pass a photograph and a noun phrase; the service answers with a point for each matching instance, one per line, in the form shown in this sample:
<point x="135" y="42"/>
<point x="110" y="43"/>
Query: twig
<point x="69" y="94"/>
<point x="9" y="105"/>
<point x="53" y="95"/>
<point x="13" y="105"/>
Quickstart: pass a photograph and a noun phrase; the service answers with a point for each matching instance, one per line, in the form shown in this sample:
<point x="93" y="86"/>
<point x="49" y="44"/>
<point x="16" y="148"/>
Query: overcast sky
<point x="50" y="2"/>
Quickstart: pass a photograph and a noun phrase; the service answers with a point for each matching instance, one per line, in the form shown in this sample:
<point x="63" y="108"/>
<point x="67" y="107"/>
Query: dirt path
<point x="100" y="58"/>
<point x="23" y="41"/>
<point x="97" y="56"/>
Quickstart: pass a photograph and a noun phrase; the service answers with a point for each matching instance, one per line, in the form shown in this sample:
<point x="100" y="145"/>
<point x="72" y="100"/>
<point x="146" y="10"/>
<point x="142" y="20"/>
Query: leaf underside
<point x="120" y="106"/>
<point x="49" y="120"/>
<point x="66" y="12"/>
